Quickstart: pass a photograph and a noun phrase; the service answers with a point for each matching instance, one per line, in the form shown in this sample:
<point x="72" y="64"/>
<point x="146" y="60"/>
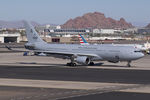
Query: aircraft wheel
<point x="68" y="64"/>
<point x="71" y="64"/>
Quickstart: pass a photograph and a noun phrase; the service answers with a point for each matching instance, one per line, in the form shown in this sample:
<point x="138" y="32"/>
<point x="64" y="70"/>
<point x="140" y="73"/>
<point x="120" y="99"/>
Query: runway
<point x="46" y="78"/>
<point x="76" y="74"/>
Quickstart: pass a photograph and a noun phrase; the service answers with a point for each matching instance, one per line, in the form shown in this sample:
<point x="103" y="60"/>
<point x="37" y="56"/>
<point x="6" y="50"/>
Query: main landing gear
<point x="91" y="63"/>
<point x="72" y="63"/>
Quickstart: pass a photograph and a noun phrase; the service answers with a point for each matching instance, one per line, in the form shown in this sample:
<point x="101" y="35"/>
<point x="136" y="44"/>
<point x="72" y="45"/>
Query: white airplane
<point x="145" y="47"/>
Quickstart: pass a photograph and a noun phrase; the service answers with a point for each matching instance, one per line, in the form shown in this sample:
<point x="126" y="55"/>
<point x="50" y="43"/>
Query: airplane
<point x="81" y="54"/>
<point x="144" y="48"/>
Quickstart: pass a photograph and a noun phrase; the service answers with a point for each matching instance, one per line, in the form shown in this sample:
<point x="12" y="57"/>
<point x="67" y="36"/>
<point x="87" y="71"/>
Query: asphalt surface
<point x="76" y="74"/>
<point x="55" y="70"/>
<point x="72" y="74"/>
<point x="26" y="93"/>
<point x="113" y="96"/>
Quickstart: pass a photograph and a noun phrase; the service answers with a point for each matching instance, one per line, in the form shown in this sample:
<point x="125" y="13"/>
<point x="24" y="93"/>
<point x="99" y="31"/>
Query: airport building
<point x="143" y="31"/>
<point x="57" y="31"/>
<point x="8" y="36"/>
<point x="68" y="32"/>
<point x="106" y="31"/>
<point x="51" y="33"/>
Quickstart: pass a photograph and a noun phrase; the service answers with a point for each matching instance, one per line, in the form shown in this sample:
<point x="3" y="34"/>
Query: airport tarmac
<point x="47" y="78"/>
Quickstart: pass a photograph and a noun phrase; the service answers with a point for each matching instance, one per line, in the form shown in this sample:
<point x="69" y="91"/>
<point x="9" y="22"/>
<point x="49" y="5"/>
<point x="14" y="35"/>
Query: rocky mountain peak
<point x="96" y="20"/>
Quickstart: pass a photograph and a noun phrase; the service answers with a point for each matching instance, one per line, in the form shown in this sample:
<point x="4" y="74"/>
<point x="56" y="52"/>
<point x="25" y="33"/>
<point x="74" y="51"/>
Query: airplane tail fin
<point x="82" y="40"/>
<point x="31" y="34"/>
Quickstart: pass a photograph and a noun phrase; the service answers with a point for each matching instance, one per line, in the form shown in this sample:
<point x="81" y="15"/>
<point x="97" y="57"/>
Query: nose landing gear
<point x="129" y="64"/>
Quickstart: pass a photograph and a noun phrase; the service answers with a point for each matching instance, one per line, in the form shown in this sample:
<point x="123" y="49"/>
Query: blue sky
<point x="59" y="11"/>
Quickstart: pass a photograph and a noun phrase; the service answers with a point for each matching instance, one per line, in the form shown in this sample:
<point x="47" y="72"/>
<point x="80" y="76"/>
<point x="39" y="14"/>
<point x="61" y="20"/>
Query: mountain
<point x="96" y="20"/>
<point x="14" y="24"/>
<point x="148" y="26"/>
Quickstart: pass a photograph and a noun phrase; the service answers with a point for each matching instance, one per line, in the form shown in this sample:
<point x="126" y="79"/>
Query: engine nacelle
<point x="83" y="60"/>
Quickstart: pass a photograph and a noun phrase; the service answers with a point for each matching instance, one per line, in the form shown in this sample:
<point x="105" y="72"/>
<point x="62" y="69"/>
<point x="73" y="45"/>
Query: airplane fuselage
<point x="109" y="53"/>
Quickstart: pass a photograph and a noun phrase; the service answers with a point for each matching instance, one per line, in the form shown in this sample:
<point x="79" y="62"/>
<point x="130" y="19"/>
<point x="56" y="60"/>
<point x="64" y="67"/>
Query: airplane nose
<point x="140" y="55"/>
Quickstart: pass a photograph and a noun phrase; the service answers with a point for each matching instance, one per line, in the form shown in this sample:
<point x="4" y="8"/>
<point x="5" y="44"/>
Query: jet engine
<point x="83" y="60"/>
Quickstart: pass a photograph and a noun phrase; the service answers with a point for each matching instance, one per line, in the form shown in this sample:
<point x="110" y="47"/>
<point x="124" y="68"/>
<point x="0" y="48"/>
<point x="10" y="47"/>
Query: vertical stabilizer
<point x="82" y="40"/>
<point x="31" y="34"/>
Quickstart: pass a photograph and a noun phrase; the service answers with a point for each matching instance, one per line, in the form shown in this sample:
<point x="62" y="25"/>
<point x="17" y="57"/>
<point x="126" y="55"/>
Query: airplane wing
<point x="69" y="54"/>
